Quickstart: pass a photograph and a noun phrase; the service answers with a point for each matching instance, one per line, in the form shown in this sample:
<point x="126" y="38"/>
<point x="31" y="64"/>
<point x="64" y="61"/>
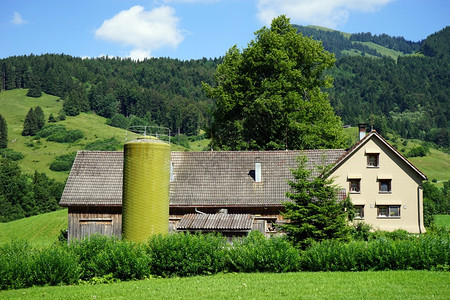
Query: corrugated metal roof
<point x="216" y="222"/>
<point x="200" y="178"/>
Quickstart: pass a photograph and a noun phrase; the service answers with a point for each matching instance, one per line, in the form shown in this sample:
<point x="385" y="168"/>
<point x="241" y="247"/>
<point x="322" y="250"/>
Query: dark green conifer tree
<point x="30" y="124"/>
<point x="315" y="213"/>
<point x="3" y="133"/>
<point x="40" y="117"/>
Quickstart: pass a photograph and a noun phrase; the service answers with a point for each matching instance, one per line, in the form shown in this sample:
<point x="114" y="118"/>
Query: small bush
<point x="119" y="121"/>
<point x="419" y="151"/>
<point x="63" y="162"/>
<point x="68" y="136"/>
<point x="186" y="254"/>
<point x="11" y="154"/>
<point x="123" y="260"/>
<point x="16" y="263"/>
<point x="48" y="130"/>
<point x="54" y="266"/>
<point x="256" y="253"/>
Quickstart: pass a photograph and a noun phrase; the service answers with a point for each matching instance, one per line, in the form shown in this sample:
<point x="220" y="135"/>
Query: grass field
<point x="40" y="230"/>
<point x="443" y="220"/>
<point x="14" y="105"/>
<point x="302" y="285"/>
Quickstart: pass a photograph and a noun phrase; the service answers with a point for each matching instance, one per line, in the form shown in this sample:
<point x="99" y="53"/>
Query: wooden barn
<point x="234" y="192"/>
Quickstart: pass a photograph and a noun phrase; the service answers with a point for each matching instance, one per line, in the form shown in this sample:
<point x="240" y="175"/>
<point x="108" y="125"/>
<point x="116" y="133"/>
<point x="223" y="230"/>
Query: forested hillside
<point x="409" y="95"/>
<point x="388" y="82"/>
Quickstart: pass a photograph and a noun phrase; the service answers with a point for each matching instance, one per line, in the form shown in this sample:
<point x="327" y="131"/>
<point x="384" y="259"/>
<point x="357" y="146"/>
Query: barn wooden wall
<point x="85" y="221"/>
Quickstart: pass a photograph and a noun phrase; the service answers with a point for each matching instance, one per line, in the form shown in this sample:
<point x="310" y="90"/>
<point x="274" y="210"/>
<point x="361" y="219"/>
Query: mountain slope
<point x="361" y="44"/>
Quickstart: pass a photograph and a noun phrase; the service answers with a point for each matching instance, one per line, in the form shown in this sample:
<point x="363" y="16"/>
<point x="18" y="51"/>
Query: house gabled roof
<point x="201" y="179"/>
<point x="371" y="135"/>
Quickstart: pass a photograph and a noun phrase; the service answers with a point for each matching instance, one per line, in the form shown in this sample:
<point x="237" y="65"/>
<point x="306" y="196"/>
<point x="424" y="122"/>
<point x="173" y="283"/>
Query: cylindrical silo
<point x="145" y="201"/>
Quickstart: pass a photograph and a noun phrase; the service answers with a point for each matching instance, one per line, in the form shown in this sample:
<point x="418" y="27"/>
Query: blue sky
<point x="192" y="29"/>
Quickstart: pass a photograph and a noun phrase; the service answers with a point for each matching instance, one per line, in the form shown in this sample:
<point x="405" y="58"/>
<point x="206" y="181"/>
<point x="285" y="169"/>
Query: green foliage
<point x="269" y="96"/>
<point x="59" y="133"/>
<point x="256" y="253"/>
<point x="425" y="252"/>
<point x="51" y="118"/>
<point x="55" y="265"/>
<point x="16" y="264"/>
<point x="314" y="213"/>
<point x="63" y="162"/>
<point x="181" y="139"/>
<point x="24" y="195"/>
<point x="11" y="154"/>
<point x="100" y="256"/>
<point x="186" y="254"/>
<point x="119" y="121"/>
<point x="40" y="117"/>
<point x="30" y="125"/>
<point x="3" y="133"/>
<point x="439" y="198"/>
<point x="418" y="151"/>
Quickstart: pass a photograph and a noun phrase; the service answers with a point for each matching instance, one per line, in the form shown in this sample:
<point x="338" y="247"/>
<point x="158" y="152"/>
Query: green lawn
<point x="302" y="285"/>
<point x="40" y="230"/>
<point x="443" y="220"/>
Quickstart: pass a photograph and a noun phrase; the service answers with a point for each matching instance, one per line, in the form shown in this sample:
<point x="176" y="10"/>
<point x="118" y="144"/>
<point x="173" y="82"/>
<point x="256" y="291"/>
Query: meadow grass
<point x="443" y="220"/>
<point x="40" y="230"/>
<point x="39" y="154"/>
<point x="299" y="285"/>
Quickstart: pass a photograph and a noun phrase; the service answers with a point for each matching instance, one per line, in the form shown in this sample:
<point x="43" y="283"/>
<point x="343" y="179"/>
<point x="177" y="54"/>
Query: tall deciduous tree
<point x="269" y="96"/>
<point x="315" y="213"/>
<point x="3" y="133"/>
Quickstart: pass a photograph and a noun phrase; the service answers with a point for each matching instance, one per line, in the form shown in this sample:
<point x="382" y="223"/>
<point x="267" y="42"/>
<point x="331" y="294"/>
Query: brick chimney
<point x="362" y="130"/>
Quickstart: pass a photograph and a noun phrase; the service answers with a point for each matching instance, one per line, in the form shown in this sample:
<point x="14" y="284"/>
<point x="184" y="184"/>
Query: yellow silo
<point x="145" y="201"/>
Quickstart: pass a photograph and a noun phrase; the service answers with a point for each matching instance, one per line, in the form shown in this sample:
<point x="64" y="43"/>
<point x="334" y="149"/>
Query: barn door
<point x="102" y="226"/>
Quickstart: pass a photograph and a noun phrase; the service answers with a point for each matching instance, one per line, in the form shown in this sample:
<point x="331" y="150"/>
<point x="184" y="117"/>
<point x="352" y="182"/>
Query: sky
<point x="193" y="29"/>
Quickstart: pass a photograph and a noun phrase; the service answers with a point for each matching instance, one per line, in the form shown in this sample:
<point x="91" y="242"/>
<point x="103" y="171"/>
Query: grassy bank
<point x="300" y="285"/>
<point x="40" y="230"/>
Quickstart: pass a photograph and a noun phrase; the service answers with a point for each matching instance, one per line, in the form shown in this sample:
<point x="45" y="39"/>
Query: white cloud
<point x="328" y="13"/>
<point x="17" y="19"/>
<point x="143" y="30"/>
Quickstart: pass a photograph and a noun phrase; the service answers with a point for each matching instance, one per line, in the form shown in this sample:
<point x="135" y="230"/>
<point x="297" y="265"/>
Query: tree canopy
<point x="269" y="95"/>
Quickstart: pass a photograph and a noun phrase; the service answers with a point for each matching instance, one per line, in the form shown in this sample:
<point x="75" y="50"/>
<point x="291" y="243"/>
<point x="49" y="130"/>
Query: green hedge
<point x="100" y="259"/>
<point x="425" y="252"/>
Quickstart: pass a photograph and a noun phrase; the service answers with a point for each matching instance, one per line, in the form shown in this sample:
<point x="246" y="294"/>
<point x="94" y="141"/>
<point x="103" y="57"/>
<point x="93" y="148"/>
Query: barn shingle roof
<point x="200" y="178"/>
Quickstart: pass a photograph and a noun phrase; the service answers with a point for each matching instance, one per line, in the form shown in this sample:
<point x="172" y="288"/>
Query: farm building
<point x="235" y="192"/>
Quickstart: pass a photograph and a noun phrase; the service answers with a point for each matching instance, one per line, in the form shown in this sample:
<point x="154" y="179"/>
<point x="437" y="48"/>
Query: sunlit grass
<point x="302" y="285"/>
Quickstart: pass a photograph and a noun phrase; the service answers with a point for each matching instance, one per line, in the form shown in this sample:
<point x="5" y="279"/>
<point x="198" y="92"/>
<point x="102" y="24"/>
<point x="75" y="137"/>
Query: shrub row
<point x="426" y="252"/>
<point x="102" y="259"/>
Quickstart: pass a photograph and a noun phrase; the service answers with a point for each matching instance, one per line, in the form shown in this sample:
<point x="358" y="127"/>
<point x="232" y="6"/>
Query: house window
<point x="385" y="186"/>
<point x="373" y="160"/>
<point x="388" y="211"/>
<point x="359" y="211"/>
<point x="355" y="185"/>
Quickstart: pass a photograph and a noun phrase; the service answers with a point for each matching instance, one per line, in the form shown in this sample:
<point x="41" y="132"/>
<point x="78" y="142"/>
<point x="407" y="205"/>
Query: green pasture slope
<point x="40" y="230"/>
<point x="14" y="105"/>
<point x="301" y="285"/>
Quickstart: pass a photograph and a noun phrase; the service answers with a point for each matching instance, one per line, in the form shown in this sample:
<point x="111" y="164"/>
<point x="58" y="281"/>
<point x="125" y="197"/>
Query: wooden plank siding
<point x="85" y="221"/>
